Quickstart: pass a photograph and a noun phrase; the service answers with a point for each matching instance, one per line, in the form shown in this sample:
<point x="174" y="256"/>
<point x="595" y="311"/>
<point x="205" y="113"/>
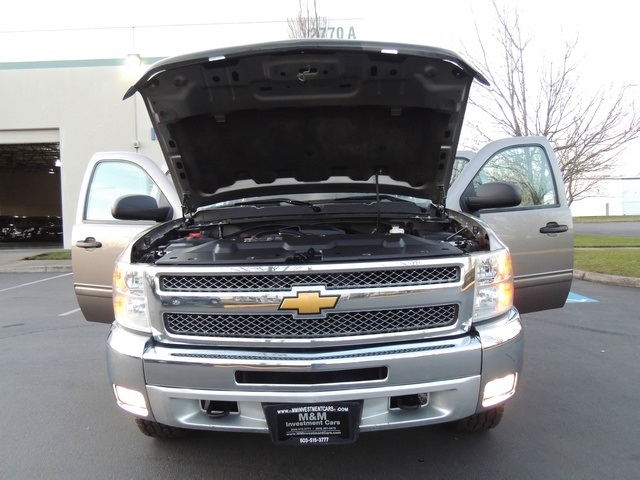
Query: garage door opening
<point x="30" y="193"/>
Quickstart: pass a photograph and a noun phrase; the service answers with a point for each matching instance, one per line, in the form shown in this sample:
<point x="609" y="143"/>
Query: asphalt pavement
<point x="617" y="229"/>
<point x="574" y="417"/>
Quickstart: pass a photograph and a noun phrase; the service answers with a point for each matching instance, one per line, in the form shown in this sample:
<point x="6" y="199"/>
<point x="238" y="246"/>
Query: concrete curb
<point x="616" y="280"/>
<point x="37" y="266"/>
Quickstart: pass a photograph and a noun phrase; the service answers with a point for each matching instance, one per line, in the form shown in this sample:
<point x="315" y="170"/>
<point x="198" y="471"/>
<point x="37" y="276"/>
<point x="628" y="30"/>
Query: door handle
<point x="88" y="242"/>
<point x="553" y="227"/>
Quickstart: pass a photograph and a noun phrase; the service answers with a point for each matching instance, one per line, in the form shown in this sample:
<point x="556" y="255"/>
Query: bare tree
<point x="587" y="131"/>
<point x="308" y="24"/>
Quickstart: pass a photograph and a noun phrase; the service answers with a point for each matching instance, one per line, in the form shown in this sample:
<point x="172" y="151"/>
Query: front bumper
<point x="176" y="381"/>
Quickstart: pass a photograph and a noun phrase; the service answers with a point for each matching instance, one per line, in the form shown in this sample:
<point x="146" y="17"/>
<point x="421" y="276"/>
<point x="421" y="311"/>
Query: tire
<point x="158" y="430"/>
<point x="480" y="421"/>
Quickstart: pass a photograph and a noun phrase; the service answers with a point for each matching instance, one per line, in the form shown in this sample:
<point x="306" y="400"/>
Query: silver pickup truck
<point x="321" y="261"/>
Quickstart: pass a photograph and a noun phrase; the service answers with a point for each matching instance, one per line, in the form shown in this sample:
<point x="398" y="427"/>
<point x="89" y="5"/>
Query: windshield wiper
<point x="381" y="199"/>
<point x="278" y="201"/>
<point x="360" y="198"/>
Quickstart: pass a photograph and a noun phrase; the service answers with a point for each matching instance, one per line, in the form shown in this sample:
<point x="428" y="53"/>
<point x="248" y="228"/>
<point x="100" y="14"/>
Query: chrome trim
<point x="459" y="293"/>
<point x="292" y="326"/>
<point x="208" y="368"/>
<point x="502" y="348"/>
<point x="460" y="261"/>
<point x="286" y="281"/>
<point x="495" y="333"/>
<point x="453" y="371"/>
<point x="263" y="357"/>
<point x="449" y="370"/>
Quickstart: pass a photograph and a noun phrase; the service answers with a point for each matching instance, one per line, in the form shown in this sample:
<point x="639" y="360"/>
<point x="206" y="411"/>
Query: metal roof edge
<point x="97" y="62"/>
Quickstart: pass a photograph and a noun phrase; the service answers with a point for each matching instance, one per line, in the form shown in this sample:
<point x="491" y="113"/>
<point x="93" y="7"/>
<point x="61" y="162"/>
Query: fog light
<point x="498" y="390"/>
<point x="131" y="400"/>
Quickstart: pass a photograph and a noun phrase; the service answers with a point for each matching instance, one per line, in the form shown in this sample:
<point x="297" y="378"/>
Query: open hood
<point x="308" y="116"/>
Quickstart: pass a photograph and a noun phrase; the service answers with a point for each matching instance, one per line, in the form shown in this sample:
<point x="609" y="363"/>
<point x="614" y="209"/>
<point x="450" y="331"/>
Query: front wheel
<point x="480" y="421"/>
<point x="158" y="430"/>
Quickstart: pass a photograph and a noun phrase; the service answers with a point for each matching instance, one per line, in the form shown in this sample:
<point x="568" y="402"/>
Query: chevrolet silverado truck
<point x="310" y="268"/>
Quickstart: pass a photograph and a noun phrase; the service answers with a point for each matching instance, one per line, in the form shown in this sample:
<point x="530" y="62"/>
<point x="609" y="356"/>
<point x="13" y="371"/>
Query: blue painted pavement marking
<point x="575" y="298"/>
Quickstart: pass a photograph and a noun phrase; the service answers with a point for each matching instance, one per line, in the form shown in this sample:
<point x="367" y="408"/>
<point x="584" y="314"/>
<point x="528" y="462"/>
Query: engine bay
<point x="307" y="240"/>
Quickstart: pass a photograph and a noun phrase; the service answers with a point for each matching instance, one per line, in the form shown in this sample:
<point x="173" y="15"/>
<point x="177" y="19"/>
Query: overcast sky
<point x="605" y="33"/>
<point x="33" y="30"/>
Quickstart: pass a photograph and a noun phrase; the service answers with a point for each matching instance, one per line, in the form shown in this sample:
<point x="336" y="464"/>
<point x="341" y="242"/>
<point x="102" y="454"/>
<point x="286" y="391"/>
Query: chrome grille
<point x="274" y="282"/>
<point x="334" y="325"/>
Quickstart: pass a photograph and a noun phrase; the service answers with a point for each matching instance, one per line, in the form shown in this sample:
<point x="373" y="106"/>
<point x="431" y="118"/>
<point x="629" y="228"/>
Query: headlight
<point x="129" y="301"/>
<point x="494" y="285"/>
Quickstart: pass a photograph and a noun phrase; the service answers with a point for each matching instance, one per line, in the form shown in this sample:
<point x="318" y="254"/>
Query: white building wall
<point x="631" y="197"/>
<point x="613" y="197"/>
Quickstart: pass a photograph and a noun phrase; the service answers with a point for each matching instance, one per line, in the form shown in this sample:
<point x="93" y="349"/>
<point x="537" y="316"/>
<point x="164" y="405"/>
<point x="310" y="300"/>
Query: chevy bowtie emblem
<point x="309" y="303"/>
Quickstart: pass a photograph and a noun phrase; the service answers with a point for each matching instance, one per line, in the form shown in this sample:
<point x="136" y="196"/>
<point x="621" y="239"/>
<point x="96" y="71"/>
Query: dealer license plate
<point x="323" y="423"/>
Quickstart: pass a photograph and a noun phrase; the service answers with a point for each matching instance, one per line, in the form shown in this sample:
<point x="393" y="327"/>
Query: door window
<point x="113" y="179"/>
<point x="528" y="168"/>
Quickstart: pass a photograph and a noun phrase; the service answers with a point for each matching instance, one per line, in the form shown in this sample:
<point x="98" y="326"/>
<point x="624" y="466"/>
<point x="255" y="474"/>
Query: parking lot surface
<point x="574" y="416"/>
<point x="621" y="229"/>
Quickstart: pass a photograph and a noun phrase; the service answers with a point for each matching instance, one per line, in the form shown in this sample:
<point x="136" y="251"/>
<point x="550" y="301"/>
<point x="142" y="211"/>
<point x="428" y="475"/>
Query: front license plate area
<point x="317" y="424"/>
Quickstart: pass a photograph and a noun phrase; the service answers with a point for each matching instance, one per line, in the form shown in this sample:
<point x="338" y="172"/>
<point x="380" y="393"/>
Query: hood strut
<point x="378" y="173"/>
<point x="186" y="209"/>
<point x="442" y="200"/>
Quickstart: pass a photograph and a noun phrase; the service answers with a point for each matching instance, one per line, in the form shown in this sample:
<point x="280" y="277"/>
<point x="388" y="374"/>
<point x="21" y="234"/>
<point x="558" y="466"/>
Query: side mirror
<point x="140" y="207"/>
<point x="494" y="195"/>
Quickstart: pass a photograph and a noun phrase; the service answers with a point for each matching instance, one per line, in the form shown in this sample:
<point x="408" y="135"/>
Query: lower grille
<point x="312" y="378"/>
<point x="333" y="325"/>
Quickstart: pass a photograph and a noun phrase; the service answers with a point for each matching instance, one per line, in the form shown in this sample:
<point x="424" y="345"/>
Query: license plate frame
<point x="313" y="424"/>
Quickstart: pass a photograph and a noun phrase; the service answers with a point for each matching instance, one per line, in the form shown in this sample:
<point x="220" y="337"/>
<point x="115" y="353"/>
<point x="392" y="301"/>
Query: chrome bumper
<point x="453" y="371"/>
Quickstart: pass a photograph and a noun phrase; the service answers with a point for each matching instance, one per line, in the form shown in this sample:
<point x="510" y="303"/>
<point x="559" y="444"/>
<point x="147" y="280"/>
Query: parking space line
<point x="69" y="312"/>
<point x="33" y="283"/>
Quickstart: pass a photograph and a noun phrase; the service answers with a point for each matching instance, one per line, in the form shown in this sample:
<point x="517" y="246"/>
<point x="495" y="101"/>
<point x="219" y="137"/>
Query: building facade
<point x="612" y="197"/>
<point x="78" y="105"/>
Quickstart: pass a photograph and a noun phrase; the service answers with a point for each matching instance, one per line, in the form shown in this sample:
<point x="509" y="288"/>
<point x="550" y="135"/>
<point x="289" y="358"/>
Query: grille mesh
<point x="331" y="280"/>
<point x="334" y="325"/>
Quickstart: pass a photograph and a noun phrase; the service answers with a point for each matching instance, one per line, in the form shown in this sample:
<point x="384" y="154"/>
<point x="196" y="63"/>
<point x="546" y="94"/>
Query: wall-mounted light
<point x="133" y="60"/>
<point x="132" y="64"/>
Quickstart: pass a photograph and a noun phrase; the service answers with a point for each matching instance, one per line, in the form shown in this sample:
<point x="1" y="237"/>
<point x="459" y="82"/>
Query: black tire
<point x="480" y="421"/>
<point x="158" y="430"/>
